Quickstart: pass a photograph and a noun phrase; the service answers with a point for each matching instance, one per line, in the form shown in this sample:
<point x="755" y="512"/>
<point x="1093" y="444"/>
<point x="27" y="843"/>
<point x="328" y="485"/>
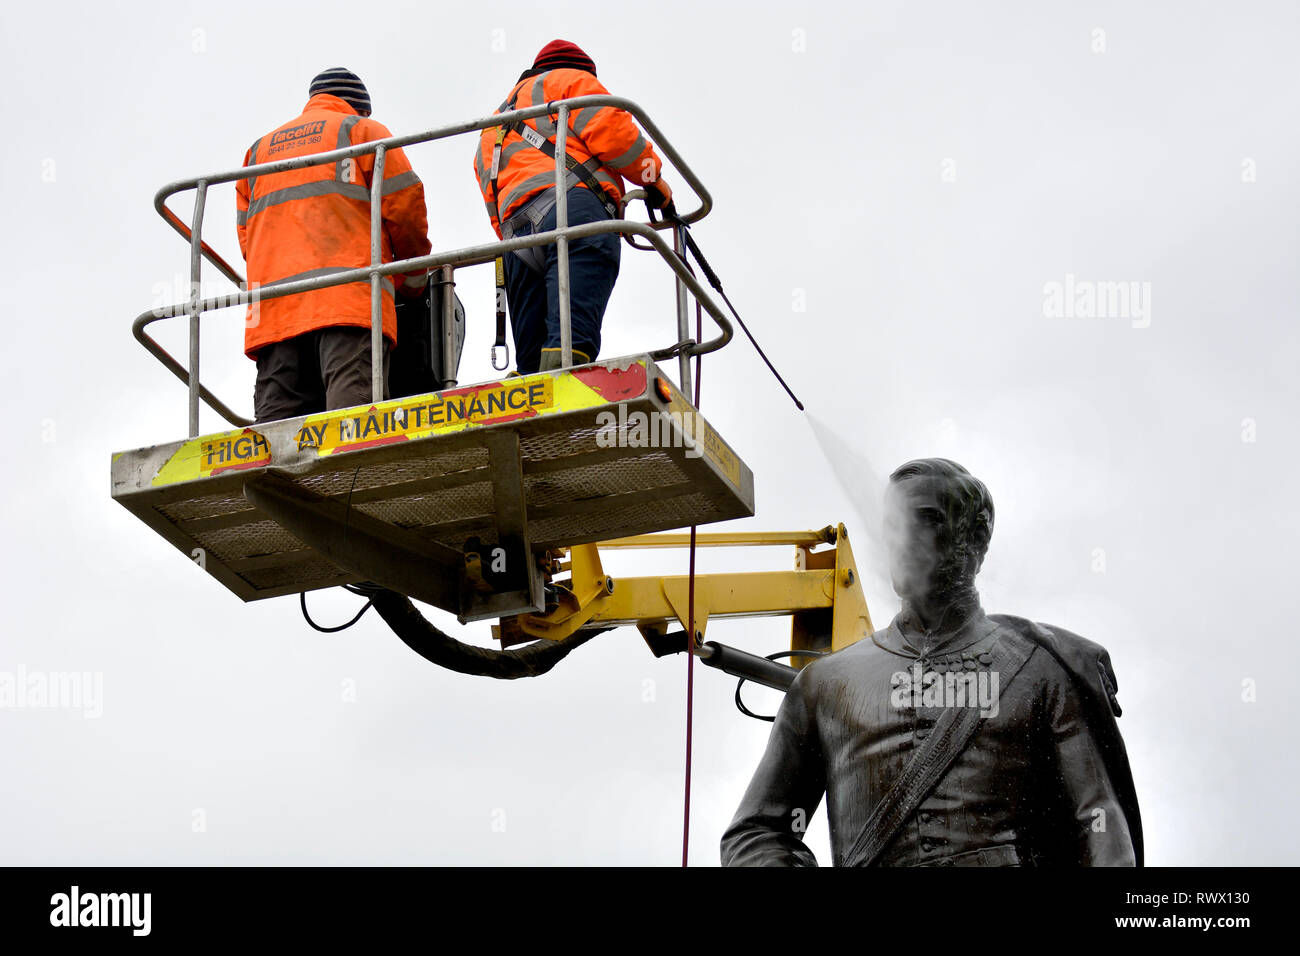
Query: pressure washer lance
<point x="670" y="215"/>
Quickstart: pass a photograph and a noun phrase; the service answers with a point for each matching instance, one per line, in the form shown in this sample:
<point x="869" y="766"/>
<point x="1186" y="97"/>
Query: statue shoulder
<point x="1059" y="637"/>
<point x="844" y="665"/>
<point x="1085" y="660"/>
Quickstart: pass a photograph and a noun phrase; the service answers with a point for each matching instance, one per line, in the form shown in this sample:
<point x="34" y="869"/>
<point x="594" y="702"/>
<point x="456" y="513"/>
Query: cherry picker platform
<point x="479" y="499"/>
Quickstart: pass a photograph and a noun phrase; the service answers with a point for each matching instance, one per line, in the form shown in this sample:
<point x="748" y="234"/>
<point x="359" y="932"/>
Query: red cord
<point x="690" y="701"/>
<point x="690" y="637"/>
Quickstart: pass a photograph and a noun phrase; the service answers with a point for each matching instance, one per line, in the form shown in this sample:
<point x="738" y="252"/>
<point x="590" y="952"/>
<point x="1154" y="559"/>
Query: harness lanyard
<point x="500" y="342"/>
<point x="501" y="318"/>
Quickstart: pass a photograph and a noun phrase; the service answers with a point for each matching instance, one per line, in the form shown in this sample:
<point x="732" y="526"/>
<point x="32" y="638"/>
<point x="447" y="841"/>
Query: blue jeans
<point x="533" y="296"/>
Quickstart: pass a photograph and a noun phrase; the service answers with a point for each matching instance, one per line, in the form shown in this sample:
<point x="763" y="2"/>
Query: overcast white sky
<point x="914" y="173"/>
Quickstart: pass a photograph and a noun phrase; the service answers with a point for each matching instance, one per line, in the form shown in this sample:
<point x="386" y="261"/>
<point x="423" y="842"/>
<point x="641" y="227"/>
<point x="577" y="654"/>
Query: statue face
<point x="924" y="553"/>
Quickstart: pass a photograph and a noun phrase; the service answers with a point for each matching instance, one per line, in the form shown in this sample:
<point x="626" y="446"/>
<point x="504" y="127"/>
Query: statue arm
<point x="1103" y="836"/>
<point x="787" y="787"/>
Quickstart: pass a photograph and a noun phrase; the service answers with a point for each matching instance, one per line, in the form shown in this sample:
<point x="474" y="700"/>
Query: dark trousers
<point x="533" y="294"/>
<point x="318" y="370"/>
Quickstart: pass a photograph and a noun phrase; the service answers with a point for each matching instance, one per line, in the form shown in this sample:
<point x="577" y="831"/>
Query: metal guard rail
<point x="470" y="255"/>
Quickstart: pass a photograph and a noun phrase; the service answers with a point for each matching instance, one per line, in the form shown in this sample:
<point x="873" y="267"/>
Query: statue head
<point x="938" y="523"/>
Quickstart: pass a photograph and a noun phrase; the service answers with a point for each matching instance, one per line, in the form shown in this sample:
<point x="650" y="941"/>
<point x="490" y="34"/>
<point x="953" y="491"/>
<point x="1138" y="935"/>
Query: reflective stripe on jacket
<point x="314" y="221"/>
<point x="605" y="132"/>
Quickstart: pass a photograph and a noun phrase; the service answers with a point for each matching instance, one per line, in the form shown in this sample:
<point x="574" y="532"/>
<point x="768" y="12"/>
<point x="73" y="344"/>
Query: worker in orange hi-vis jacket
<point x="515" y="165"/>
<point x="313" y="348"/>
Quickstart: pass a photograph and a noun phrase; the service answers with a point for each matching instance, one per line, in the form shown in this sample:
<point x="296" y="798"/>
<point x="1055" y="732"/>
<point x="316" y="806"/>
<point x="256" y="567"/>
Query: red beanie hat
<point x="560" y="54"/>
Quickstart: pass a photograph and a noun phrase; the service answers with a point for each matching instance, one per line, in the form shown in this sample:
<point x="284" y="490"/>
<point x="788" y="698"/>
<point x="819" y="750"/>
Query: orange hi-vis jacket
<point x="608" y="134"/>
<point x="315" y="221"/>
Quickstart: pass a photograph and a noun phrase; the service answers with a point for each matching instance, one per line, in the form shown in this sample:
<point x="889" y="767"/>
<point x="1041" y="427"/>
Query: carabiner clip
<point x="505" y="364"/>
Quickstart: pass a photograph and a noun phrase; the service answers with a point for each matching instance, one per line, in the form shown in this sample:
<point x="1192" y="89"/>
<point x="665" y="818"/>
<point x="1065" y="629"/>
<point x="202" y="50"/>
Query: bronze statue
<point x="951" y="737"/>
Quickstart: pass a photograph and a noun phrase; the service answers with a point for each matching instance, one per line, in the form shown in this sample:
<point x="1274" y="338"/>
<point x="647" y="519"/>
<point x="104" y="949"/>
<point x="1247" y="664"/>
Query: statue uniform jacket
<point x="1044" y="781"/>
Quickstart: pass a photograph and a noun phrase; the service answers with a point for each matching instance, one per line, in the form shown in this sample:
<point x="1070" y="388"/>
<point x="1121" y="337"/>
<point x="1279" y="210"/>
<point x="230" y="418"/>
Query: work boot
<point x="551" y="359"/>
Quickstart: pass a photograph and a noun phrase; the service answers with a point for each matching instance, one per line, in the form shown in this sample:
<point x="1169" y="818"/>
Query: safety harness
<point x="585" y="173"/>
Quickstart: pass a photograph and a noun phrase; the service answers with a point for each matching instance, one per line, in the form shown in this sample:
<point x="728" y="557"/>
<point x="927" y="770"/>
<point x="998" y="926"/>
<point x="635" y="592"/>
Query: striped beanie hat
<point x="344" y="84"/>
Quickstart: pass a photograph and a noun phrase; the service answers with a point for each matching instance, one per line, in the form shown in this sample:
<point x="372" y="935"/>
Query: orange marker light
<point x="661" y="386"/>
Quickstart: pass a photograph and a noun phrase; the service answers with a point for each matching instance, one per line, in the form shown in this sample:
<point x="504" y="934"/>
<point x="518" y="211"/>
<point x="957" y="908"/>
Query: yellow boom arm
<point x="822" y="594"/>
